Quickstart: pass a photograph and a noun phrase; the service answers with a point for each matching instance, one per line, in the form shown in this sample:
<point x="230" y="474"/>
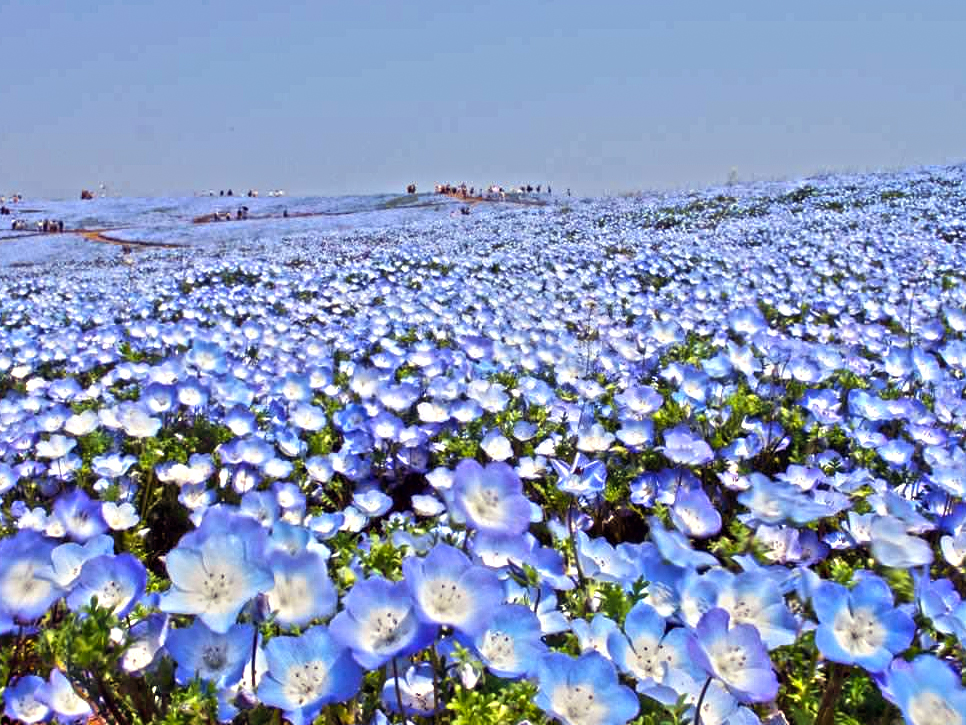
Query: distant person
<point x="568" y="192"/>
<point x="60" y="225"/>
<point x="230" y="193"/>
<point x="285" y="213"/>
<point x="221" y="192"/>
<point x="548" y="190"/>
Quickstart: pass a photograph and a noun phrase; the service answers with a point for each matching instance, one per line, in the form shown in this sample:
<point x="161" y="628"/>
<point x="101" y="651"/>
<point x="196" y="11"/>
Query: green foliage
<point x="381" y="557"/>
<point x="615" y="602"/>
<point x="495" y="702"/>
<point x="190" y="705"/>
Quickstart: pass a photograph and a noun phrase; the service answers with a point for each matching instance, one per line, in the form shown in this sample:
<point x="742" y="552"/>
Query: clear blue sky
<point x="349" y="97"/>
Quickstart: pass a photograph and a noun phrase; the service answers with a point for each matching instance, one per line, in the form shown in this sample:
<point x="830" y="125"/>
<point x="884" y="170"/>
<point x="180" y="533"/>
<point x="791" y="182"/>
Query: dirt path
<point x="99" y="236"/>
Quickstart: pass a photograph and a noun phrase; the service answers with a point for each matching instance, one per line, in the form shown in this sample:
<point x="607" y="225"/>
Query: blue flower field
<point x="691" y="457"/>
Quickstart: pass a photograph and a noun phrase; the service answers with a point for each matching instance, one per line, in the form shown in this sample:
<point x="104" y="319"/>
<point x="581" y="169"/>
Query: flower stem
<point x="697" y="708"/>
<point x="147" y="491"/>
<point x="395" y="675"/>
<point x="833" y="688"/>
<point x="254" y="651"/>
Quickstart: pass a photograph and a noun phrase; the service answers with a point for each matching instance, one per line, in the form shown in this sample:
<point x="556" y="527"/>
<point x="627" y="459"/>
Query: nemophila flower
<point x="735" y="656"/>
<point x="927" y="691"/>
<point x="512" y="644"/>
<point x="8" y="479"/>
<point x="57" y="446"/>
<point x="27" y="581"/>
<point x="427" y="506"/>
<point x="158" y="398"/>
<point x="954" y="548"/>
<point x="583" y="691"/>
<point x="306" y="673"/>
<point x="692" y="387"/>
<point x="136" y="421"/>
<point x="496" y="445"/>
<point x="683" y="447"/>
<point x="752" y="597"/>
<point x="940" y="603"/>
<point x="718" y="705"/>
<point x="22" y="702"/>
<point x="582" y="477"/>
<point x="490" y="499"/>
<point x="451" y="590"/>
<point x="594" y="438"/>
<point x="60" y="696"/>
<point x="82" y="423"/>
<point x="276" y="468"/>
<point x="144" y="642"/>
<point x="862" y="626"/>
<point x="636" y="434"/>
<point x="112" y="465"/>
<point x="207" y="357"/>
<point x="307" y="417"/>
<point x="294" y="388"/>
<point x="644" y="650"/>
<point x="373" y="503"/>
<point x="240" y="420"/>
<point x="416" y="691"/>
<point x="302" y="591"/>
<point x="601" y="561"/>
<point x="378" y="621"/>
<point x="68" y="559"/>
<point x="118" y="582"/>
<point x="779" y="544"/>
<point x="676" y="549"/>
<point x="325" y="526"/>
<point x="693" y="514"/>
<point x="892" y="546"/>
<point x="192" y="393"/>
<point x="119" y="517"/>
<point x="507" y="552"/>
<point x="214" y="579"/>
<point x="216" y="658"/>
<point x="823" y="405"/>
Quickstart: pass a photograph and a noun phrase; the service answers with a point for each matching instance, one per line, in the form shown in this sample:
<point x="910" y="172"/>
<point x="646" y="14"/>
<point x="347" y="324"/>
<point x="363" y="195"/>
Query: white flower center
<point x="388" y="627"/>
<point x="484" y="505"/>
<point x="217" y="586"/>
<point x="110" y="596"/>
<point x="729" y="661"/>
<point x="306" y="683"/>
<point x="445" y="598"/>
<point x="497" y="647"/>
<point x="577" y="704"/>
<point x="859" y="632"/>
<point x="646" y="663"/>
<point x="214" y="657"/>
<point x="30" y="708"/>
<point x="742" y="611"/>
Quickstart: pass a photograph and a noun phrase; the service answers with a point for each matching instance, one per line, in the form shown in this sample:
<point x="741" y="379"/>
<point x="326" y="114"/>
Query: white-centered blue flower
<point x="450" y="590"/>
<point x="214" y="580"/>
<point x="307" y="672"/>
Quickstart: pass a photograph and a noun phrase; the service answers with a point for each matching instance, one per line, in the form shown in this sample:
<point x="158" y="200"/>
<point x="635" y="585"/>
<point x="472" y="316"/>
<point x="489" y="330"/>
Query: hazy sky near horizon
<point x="346" y="97"/>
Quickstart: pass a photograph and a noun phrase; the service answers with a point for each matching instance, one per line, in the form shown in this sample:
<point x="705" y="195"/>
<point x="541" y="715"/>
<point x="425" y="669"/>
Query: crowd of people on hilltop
<point x="491" y="192"/>
<point x="14" y="199"/>
<point x="225" y="216"/>
<point x="251" y="193"/>
<point x="43" y="226"/>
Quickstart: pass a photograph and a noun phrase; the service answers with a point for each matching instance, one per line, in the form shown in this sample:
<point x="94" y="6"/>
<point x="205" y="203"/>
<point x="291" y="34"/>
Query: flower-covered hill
<point x="577" y="459"/>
